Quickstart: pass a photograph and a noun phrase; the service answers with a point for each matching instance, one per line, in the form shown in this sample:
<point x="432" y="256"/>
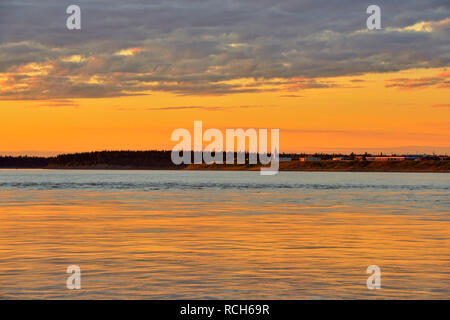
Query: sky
<point x="137" y="70"/>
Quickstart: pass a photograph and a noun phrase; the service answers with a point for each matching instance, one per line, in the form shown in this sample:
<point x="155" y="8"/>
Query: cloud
<point x="187" y="108"/>
<point x="425" y="26"/>
<point x="203" y="47"/>
<point x="441" y="80"/>
<point x="290" y="96"/>
<point x="205" y="108"/>
<point x="129" y="52"/>
<point x="57" y="103"/>
<point x="357" y="80"/>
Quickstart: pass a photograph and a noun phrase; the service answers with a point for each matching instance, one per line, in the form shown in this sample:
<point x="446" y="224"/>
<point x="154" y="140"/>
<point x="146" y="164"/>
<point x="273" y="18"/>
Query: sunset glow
<point x="378" y="92"/>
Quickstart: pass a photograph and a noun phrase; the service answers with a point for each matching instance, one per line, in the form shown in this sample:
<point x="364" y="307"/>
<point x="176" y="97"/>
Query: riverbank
<point x="342" y="166"/>
<point x="161" y="160"/>
<point x="322" y="166"/>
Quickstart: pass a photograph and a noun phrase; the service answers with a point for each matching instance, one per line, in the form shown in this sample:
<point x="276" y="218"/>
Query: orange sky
<point x="136" y="72"/>
<point x="364" y="114"/>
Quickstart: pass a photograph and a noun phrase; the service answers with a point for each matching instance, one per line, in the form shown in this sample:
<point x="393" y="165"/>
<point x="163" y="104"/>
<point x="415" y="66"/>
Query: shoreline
<point x="430" y="166"/>
<point x="215" y="170"/>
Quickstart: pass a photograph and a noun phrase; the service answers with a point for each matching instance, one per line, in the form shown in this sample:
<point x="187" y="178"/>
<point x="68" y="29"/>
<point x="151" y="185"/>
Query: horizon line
<point x="50" y="154"/>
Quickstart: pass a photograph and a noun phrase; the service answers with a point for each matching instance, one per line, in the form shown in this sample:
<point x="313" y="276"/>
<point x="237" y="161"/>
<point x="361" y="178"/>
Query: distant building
<point x="285" y="159"/>
<point x="385" y="158"/>
<point x="340" y="159"/>
<point x="413" y="157"/>
<point x="310" y="159"/>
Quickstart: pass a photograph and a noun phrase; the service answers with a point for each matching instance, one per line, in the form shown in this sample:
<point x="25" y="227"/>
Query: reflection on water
<point x="236" y="235"/>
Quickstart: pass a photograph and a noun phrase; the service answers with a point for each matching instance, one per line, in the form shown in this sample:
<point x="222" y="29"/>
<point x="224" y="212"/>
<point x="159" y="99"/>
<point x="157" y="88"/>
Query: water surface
<point x="224" y="235"/>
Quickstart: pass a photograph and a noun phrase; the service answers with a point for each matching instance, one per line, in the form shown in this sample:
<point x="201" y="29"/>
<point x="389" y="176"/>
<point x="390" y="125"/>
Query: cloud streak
<point x="441" y="80"/>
